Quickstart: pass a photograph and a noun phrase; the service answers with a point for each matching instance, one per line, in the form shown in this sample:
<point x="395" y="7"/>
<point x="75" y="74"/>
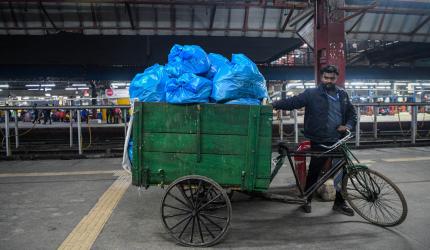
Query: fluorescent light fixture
<point x="400" y="83"/>
<point x="294" y="84"/>
<point x="32" y="85"/>
<point x="26" y="98"/>
<point x="48" y="89"/>
<point x="384" y="84"/>
<point x="380" y="87"/>
<point x="119" y="84"/>
<point x="32" y="89"/>
<point x="83" y="88"/>
<point x="48" y="85"/>
<point x="79" y="85"/>
<point x="414" y="84"/>
<point x="4" y="85"/>
<point x="425" y="84"/>
<point x="356" y="83"/>
<point x="70" y="89"/>
<point x="309" y="84"/>
<point x="1" y="90"/>
<point x="300" y="87"/>
<point x="47" y="94"/>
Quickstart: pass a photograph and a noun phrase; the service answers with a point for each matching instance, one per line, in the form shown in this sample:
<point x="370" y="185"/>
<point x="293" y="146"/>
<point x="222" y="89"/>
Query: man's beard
<point x="329" y="86"/>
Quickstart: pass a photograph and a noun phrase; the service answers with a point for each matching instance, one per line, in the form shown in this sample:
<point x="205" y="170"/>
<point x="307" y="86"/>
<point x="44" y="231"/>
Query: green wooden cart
<point x="202" y="151"/>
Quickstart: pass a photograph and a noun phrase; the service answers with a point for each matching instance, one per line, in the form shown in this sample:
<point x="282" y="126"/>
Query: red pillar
<point x="329" y="39"/>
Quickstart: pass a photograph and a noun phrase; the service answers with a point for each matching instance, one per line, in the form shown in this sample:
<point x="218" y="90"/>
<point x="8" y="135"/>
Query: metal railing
<point x="76" y="109"/>
<point x="375" y="110"/>
<point x="124" y="108"/>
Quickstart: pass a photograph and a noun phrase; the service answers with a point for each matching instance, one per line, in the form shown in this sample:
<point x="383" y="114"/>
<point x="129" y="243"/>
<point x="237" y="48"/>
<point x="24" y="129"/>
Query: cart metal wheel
<point x="374" y="197"/>
<point x="196" y="211"/>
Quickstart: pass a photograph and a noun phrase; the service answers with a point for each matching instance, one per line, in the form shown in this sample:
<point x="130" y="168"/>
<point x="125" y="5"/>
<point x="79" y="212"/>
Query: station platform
<point x="90" y="204"/>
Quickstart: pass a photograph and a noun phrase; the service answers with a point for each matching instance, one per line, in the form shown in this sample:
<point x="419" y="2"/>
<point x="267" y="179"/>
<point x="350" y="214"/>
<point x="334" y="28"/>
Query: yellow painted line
<point x="407" y="159"/>
<point x="35" y="174"/>
<point x="86" y="232"/>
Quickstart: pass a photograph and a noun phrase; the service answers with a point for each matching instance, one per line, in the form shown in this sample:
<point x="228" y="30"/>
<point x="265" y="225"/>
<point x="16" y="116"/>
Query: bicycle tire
<point x="355" y="188"/>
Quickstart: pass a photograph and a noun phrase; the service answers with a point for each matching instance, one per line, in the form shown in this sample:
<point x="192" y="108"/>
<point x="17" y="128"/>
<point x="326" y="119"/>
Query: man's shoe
<point x="343" y="209"/>
<point x="307" y="207"/>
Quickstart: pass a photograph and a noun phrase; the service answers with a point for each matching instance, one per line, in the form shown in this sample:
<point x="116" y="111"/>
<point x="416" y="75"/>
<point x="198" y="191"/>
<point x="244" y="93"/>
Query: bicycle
<point x="372" y="195"/>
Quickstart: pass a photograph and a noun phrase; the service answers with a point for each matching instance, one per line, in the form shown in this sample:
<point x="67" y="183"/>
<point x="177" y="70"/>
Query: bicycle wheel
<point x="196" y="211"/>
<point x="374" y="197"/>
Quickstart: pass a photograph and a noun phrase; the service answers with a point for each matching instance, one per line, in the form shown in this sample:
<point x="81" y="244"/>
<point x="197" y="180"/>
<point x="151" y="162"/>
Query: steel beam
<point x="284" y="26"/>
<point x="172" y="18"/>
<point x="130" y="15"/>
<point x="212" y="17"/>
<point x="302" y="16"/>
<point x="245" y="21"/>
<point x="47" y="16"/>
<point x="229" y="4"/>
<point x="12" y="13"/>
<point x="419" y="26"/>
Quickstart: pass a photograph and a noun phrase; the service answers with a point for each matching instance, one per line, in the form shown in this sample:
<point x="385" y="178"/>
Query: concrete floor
<point x="38" y="211"/>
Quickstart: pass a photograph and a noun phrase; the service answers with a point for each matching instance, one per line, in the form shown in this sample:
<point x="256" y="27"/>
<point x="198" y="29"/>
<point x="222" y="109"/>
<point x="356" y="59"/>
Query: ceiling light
<point x="48" y="85"/>
<point x="32" y="89"/>
<point x="32" y="85"/>
<point x="4" y="85"/>
<point x="79" y="85"/>
<point x="70" y="89"/>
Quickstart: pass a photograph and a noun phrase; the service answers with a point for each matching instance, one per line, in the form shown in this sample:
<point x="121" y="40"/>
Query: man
<point x="328" y="114"/>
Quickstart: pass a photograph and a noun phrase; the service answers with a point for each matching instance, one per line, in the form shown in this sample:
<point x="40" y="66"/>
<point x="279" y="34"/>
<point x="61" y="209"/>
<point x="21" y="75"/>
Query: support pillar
<point x="329" y="38"/>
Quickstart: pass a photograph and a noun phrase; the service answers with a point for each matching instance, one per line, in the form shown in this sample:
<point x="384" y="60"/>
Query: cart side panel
<point x="224" y="169"/>
<point x="228" y="143"/>
<point x="215" y="119"/>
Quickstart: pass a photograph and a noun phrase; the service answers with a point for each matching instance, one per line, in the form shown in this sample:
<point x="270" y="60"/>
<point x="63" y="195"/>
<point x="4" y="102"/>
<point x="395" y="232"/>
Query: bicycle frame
<point x="346" y="163"/>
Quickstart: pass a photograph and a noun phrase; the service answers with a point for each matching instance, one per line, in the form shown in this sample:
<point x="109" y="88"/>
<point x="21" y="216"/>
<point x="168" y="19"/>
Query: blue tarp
<point x="188" y="88"/>
<point x="149" y="86"/>
<point x="239" y="80"/>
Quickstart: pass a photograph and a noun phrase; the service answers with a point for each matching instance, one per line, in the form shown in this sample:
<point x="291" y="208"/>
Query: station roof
<point x="390" y="20"/>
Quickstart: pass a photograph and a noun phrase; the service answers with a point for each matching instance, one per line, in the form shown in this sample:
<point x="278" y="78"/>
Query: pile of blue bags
<point x="192" y="76"/>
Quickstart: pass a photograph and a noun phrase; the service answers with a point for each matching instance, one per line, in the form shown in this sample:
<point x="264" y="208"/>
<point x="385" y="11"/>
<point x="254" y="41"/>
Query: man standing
<point x="328" y="114"/>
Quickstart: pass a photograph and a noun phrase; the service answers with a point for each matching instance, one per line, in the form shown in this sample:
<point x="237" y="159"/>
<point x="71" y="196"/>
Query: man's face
<point x="329" y="80"/>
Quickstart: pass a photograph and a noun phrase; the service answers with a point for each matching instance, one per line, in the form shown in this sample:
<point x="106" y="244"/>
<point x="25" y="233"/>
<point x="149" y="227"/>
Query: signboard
<point x="109" y="92"/>
<point x="117" y="93"/>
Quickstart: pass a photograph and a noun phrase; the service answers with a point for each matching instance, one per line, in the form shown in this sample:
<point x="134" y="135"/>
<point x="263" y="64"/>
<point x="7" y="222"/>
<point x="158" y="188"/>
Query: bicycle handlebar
<point x="344" y="139"/>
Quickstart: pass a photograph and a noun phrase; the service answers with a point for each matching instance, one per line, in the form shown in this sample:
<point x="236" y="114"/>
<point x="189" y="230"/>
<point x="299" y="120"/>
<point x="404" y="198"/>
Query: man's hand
<point x="342" y="129"/>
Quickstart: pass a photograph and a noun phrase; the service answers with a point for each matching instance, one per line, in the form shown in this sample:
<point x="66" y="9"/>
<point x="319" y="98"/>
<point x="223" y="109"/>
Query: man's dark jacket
<point x="315" y="101"/>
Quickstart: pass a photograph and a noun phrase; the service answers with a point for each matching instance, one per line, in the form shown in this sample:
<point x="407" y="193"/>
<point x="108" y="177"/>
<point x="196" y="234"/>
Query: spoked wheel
<point x="374" y="197"/>
<point x="196" y="211"/>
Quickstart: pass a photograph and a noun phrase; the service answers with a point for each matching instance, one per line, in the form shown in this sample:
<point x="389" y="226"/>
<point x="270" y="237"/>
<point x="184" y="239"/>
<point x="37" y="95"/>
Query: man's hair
<point x="329" y="69"/>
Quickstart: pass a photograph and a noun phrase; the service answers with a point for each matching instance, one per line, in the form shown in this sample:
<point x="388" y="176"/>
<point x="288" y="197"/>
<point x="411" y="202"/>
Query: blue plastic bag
<point x="240" y="80"/>
<point x="187" y="59"/>
<point x="149" y="86"/>
<point x="245" y="101"/>
<point x="216" y="62"/>
<point x="188" y="88"/>
<point x="130" y="150"/>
